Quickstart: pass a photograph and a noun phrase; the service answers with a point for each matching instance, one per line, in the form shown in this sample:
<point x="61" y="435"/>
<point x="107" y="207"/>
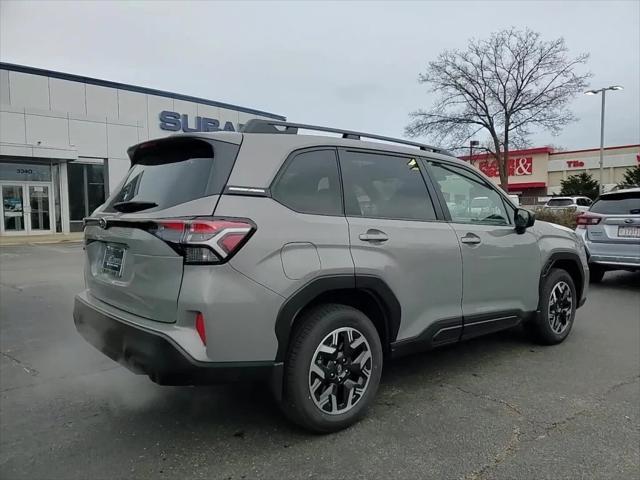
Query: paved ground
<point x="497" y="407"/>
<point x="14" y="240"/>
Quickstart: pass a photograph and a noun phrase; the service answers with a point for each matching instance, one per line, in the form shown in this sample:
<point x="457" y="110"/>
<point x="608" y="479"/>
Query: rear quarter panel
<point x="288" y="249"/>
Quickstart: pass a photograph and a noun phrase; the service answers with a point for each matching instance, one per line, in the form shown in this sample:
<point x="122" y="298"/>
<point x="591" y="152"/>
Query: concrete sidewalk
<point x="40" y="239"/>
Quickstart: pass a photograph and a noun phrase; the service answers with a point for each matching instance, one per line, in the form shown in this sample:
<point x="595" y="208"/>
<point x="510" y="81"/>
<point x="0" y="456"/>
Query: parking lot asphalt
<point x="495" y="407"/>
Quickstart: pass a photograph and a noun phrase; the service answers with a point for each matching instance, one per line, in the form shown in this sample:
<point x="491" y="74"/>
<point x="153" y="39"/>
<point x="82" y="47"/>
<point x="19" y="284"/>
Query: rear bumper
<point x="616" y="262"/>
<point x="154" y="354"/>
<point x="613" y="255"/>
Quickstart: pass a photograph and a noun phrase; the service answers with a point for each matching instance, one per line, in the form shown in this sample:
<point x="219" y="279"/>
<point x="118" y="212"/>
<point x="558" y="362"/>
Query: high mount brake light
<point x="204" y="240"/>
<point x="586" y="219"/>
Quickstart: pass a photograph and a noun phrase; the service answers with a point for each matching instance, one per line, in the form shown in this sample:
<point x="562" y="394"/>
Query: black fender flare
<point x="373" y="285"/>
<point x="553" y="259"/>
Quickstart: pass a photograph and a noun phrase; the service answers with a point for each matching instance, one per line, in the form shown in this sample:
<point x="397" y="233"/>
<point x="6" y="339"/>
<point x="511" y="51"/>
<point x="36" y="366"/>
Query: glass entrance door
<point x="25" y="209"/>
<point x="39" y="208"/>
<point x="13" y="219"/>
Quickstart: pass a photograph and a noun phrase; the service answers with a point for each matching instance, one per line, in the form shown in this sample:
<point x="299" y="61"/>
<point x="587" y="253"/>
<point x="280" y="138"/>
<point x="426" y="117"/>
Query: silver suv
<point x="306" y="261"/>
<point x="611" y="232"/>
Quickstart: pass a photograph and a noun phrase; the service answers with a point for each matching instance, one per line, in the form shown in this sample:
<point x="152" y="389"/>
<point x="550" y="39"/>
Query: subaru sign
<point x="175" y="122"/>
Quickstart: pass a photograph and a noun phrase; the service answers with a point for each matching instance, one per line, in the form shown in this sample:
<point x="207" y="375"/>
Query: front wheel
<point x="557" y="312"/>
<point x="333" y="368"/>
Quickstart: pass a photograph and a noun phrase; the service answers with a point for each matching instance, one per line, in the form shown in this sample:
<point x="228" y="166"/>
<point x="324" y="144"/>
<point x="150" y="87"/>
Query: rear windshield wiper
<point x="133" y="206"/>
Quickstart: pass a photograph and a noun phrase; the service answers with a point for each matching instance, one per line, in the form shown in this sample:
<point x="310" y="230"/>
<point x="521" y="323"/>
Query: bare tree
<point x="515" y="142"/>
<point x="506" y="86"/>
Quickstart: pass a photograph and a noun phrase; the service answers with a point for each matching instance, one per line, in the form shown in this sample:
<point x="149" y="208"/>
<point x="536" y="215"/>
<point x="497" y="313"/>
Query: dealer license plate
<point x="113" y="260"/>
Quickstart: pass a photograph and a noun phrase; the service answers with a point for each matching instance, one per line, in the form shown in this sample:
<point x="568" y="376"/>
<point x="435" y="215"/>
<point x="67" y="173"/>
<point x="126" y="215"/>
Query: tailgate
<point x="616" y="228"/>
<point x="131" y="269"/>
<point x="132" y="241"/>
<point x="620" y="218"/>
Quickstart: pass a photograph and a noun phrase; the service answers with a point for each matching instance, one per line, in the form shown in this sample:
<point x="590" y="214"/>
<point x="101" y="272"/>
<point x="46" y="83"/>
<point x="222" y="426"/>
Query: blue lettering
<point x="174" y="122"/>
<point x="170" y="121"/>
<point x="185" y="124"/>
<point x="210" y="124"/>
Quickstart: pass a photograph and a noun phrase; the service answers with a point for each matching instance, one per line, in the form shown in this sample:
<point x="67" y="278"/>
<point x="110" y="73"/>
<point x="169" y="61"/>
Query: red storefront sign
<point x="517" y="167"/>
<point x="575" y="163"/>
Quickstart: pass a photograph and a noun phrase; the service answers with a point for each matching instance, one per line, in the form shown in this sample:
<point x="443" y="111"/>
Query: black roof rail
<point x="271" y="126"/>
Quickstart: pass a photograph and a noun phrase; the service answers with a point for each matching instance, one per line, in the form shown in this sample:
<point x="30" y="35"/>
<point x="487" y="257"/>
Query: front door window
<point x="469" y="199"/>
<point x="13" y="208"/>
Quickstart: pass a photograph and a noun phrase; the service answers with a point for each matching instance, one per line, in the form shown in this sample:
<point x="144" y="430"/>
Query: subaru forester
<point x="306" y="261"/>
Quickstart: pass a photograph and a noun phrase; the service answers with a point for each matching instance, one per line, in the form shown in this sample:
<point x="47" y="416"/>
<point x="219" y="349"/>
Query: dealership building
<point x="537" y="173"/>
<point x="63" y="141"/>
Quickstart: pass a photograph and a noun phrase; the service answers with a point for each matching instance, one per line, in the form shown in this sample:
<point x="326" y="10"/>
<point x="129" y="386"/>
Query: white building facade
<point x="63" y="141"/>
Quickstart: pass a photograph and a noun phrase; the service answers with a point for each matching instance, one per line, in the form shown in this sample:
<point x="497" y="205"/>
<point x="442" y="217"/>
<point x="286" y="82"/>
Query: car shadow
<point x="620" y="280"/>
<point x="237" y="411"/>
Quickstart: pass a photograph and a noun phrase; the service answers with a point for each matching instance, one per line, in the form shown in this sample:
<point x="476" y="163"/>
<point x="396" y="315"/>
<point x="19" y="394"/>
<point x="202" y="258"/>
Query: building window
<point x="86" y="191"/>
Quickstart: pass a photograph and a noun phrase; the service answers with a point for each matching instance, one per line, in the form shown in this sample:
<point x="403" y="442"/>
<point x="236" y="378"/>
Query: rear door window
<point x="378" y="185"/>
<point x="623" y="203"/>
<point x="174" y="171"/>
<point x="310" y="183"/>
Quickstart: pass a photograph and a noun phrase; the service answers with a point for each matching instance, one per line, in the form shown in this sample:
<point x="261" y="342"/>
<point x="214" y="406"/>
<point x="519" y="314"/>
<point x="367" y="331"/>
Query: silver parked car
<point x="611" y="232"/>
<point x="307" y="261"/>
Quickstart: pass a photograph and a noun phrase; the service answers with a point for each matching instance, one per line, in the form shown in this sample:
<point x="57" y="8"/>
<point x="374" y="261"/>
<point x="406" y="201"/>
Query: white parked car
<point x="579" y="204"/>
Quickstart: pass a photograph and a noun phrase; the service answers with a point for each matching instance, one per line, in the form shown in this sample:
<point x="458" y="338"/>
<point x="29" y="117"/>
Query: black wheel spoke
<point x="340" y="370"/>
<point x="560" y="307"/>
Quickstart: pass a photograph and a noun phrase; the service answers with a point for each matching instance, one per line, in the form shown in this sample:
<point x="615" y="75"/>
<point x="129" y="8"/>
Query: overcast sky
<point x="351" y="65"/>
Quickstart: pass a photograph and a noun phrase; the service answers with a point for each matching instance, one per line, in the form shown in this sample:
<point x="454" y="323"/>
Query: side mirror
<point x="523" y="219"/>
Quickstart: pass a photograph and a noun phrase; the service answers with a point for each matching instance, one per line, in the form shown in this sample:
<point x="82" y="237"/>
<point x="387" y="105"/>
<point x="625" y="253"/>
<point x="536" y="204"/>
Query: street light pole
<point x="603" y="92"/>
<point x="602" y="143"/>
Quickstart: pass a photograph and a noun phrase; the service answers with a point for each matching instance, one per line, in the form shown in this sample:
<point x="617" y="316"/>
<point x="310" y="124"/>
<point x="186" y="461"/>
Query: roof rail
<point x="270" y="126"/>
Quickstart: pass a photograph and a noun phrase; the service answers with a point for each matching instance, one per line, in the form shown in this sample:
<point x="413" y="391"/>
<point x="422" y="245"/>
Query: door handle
<point x="470" y="239"/>
<point x="373" y="235"/>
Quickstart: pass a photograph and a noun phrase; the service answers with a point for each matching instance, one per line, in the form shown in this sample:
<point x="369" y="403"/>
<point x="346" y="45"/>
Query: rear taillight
<point x="586" y="219"/>
<point x="204" y="240"/>
<point x="200" y="328"/>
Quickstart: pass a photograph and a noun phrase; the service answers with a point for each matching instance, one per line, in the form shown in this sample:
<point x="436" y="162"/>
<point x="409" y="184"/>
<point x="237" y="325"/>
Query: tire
<point x="555" y="318"/>
<point x="311" y="398"/>
<point x="596" y="273"/>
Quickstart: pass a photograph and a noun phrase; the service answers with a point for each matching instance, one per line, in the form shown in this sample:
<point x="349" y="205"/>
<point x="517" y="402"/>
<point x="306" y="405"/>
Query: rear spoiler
<point x="179" y="147"/>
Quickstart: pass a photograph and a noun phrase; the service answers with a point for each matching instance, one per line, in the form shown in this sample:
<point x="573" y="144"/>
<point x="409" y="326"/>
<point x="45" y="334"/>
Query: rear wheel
<point x="333" y="368"/>
<point x="596" y="273"/>
<point x="558" y="303"/>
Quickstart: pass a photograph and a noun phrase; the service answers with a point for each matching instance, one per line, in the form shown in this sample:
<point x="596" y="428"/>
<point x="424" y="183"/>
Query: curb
<point x="42" y="242"/>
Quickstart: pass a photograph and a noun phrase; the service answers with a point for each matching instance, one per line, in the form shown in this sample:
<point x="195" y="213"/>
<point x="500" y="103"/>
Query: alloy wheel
<point x="560" y="307"/>
<point x="340" y="370"/>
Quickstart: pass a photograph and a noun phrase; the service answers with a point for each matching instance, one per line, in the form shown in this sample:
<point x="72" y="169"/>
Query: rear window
<point x="627" y="203"/>
<point x="559" y="202"/>
<point x="310" y="183"/>
<point x="174" y="171"/>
